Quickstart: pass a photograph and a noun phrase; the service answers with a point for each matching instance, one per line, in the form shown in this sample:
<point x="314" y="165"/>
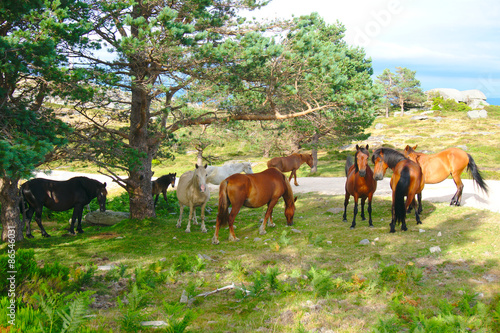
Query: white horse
<point x="216" y="174"/>
<point x="192" y="191"/>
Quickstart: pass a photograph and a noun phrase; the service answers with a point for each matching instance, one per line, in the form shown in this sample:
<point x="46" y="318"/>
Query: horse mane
<point x="391" y="156"/>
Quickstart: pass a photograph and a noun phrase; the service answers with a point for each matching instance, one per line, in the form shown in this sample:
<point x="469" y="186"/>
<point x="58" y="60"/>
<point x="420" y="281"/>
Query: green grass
<point x="314" y="275"/>
<point x="320" y="277"/>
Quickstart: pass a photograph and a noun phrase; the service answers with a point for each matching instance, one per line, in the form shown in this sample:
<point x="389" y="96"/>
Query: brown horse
<point x="407" y="180"/>
<point x="438" y="167"/>
<point x="253" y="191"/>
<point x="359" y="184"/>
<point x="161" y="185"/>
<point x="291" y="163"/>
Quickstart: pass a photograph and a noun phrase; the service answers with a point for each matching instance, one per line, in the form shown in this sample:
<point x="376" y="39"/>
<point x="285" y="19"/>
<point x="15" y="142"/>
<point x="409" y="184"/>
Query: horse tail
<point x="223" y="212"/>
<point x="476" y="175"/>
<point x="348" y="163"/>
<point x="22" y="203"/>
<point x="400" y="192"/>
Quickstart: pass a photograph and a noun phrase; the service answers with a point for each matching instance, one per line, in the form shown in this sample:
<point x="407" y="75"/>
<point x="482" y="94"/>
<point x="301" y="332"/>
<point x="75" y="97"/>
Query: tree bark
<point x="9" y="199"/>
<point x="139" y="183"/>
<point x="315" y="140"/>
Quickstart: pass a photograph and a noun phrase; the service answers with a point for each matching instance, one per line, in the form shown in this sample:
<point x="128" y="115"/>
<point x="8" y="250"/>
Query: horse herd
<point x="411" y="170"/>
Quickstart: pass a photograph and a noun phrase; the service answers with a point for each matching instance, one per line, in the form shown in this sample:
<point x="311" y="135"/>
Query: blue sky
<point x="451" y="44"/>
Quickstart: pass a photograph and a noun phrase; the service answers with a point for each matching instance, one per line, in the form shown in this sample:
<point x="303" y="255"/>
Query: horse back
<point x="55" y="195"/>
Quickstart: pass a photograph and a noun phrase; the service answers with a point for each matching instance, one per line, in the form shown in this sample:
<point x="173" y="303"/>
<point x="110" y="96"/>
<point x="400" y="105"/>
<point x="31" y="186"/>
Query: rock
<point x="421" y="230"/>
<point x="296" y="231"/>
<point x="419" y="117"/>
<point x="257" y="239"/>
<point x="106" y="218"/>
<point x="435" y="249"/>
<point x="156" y="323"/>
<point x="335" y="210"/>
<point x="380" y="126"/>
<point x="439" y="234"/>
<point x="184" y="298"/>
<point x="364" y="242"/>
<point x="105" y="267"/>
<point x="476" y="114"/>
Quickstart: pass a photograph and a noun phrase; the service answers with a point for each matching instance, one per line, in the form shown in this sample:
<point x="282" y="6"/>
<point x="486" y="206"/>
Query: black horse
<point x="60" y="196"/>
<point x="161" y="184"/>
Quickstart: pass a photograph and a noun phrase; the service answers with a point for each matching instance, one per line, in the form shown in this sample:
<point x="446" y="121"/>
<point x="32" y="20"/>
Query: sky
<point x="450" y="44"/>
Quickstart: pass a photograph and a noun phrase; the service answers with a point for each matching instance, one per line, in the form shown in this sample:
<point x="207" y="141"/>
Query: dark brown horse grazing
<point x="359" y="184"/>
<point x="60" y="196"/>
<point x="407" y="180"/>
<point x="291" y="163"/>
<point x="438" y="167"/>
<point x="253" y="191"/>
<point x="161" y="185"/>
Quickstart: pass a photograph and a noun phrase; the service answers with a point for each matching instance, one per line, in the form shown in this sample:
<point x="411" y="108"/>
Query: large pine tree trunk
<point x="9" y="215"/>
<point x="139" y="183"/>
<point x="315" y="140"/>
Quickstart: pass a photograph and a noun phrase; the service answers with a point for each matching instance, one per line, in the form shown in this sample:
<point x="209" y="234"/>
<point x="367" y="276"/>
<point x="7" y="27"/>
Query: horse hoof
<point x="46" y="235"/>
<point x="262" y="232"/>
<point x="371" y="226"/>
<point x="344" y="220"/>
<point x="392" y="231"/>
<point x="188" y="230"/>
<point x="215" y="241"/>
<point x="351" y="228"/>
<point x="204" y="230"/>
<point x="80" y="231"/>
<point x="30" y="236"/>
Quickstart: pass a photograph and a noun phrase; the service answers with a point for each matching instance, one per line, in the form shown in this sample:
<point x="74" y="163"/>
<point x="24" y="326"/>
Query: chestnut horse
<point x="291" y="163"/>
<point x="407" y="180"/>
<point x="438" y="167"/>
<point x="253" y="191"/>
<point x="359" y="184"/>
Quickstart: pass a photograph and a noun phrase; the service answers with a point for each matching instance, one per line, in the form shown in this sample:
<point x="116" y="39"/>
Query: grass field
<point x="312" y="277"/>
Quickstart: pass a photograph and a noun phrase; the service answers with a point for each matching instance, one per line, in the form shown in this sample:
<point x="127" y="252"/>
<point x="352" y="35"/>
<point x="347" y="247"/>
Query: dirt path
<point x="442" y="192"/>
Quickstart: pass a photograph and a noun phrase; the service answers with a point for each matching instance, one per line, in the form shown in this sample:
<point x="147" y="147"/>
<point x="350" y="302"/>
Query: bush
<point x="448" y="105"/>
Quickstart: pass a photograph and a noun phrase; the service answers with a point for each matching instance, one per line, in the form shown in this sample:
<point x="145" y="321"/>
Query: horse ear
<point x="196" y="165"/>
<point x="206" y="165"/>
<point x="357" y="147"/>
<point x="407" y="148"/>
<point x="104" y="184"/>
<point x="295" y="199"/>
<point x="367" y="147"/>
<point x="414" y="148"/>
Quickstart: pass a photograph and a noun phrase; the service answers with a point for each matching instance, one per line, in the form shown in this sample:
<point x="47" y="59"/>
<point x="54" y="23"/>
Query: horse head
<point x="247" y="168"/>
<point x="361" y="159"/>
<point x="308" y="158"/>
<point x="172" y="178"/>
<point x="101" y="197"/>
<point x="410" y="153"/>
<point x="380" y="164"/>
<point x="200" y="177"/>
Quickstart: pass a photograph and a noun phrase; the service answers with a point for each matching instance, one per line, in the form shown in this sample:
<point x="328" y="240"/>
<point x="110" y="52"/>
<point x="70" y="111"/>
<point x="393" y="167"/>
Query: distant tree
<point x="31" y="32"/>
<point x="400" y="88"/>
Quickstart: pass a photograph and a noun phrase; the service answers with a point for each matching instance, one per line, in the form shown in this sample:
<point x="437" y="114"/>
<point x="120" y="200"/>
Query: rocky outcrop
<point x="474" y="98"/>
<point x="108" y="217"/>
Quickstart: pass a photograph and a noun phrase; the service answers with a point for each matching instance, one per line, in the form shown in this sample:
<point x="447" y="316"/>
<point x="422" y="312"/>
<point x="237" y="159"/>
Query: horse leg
<point x="38" y="219"/>
<point x="419" y="198"/>
<point x="346" y="202"/>
<point x="269" y="212"/>
<point x="370" y="222"/>
<point x="417" y="217"/>
<point x="232" y="216"/>
<point x="363" y="209"/>
<point x="353" y="225"/>
<point x="79" y="216"/>
<point x="178" y="225"/>
<point x="191" y="209"/>
<point x="294" y="173"/>
<point x="457" y="198"/>
<point x="29" y="215"/>
<point x="203" y="229"/>
<point x="164" y="195"/>
<point x="393" y="221"/>
<point x="156" y="199"/>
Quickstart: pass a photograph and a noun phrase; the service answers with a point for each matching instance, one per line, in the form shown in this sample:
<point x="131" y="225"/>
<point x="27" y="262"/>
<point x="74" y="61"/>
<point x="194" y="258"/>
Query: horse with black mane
<point x="360" y="184"/>
<point x="161" y="185"/>
<point x="60" y="196"/>
<point x="407" y="180"/>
